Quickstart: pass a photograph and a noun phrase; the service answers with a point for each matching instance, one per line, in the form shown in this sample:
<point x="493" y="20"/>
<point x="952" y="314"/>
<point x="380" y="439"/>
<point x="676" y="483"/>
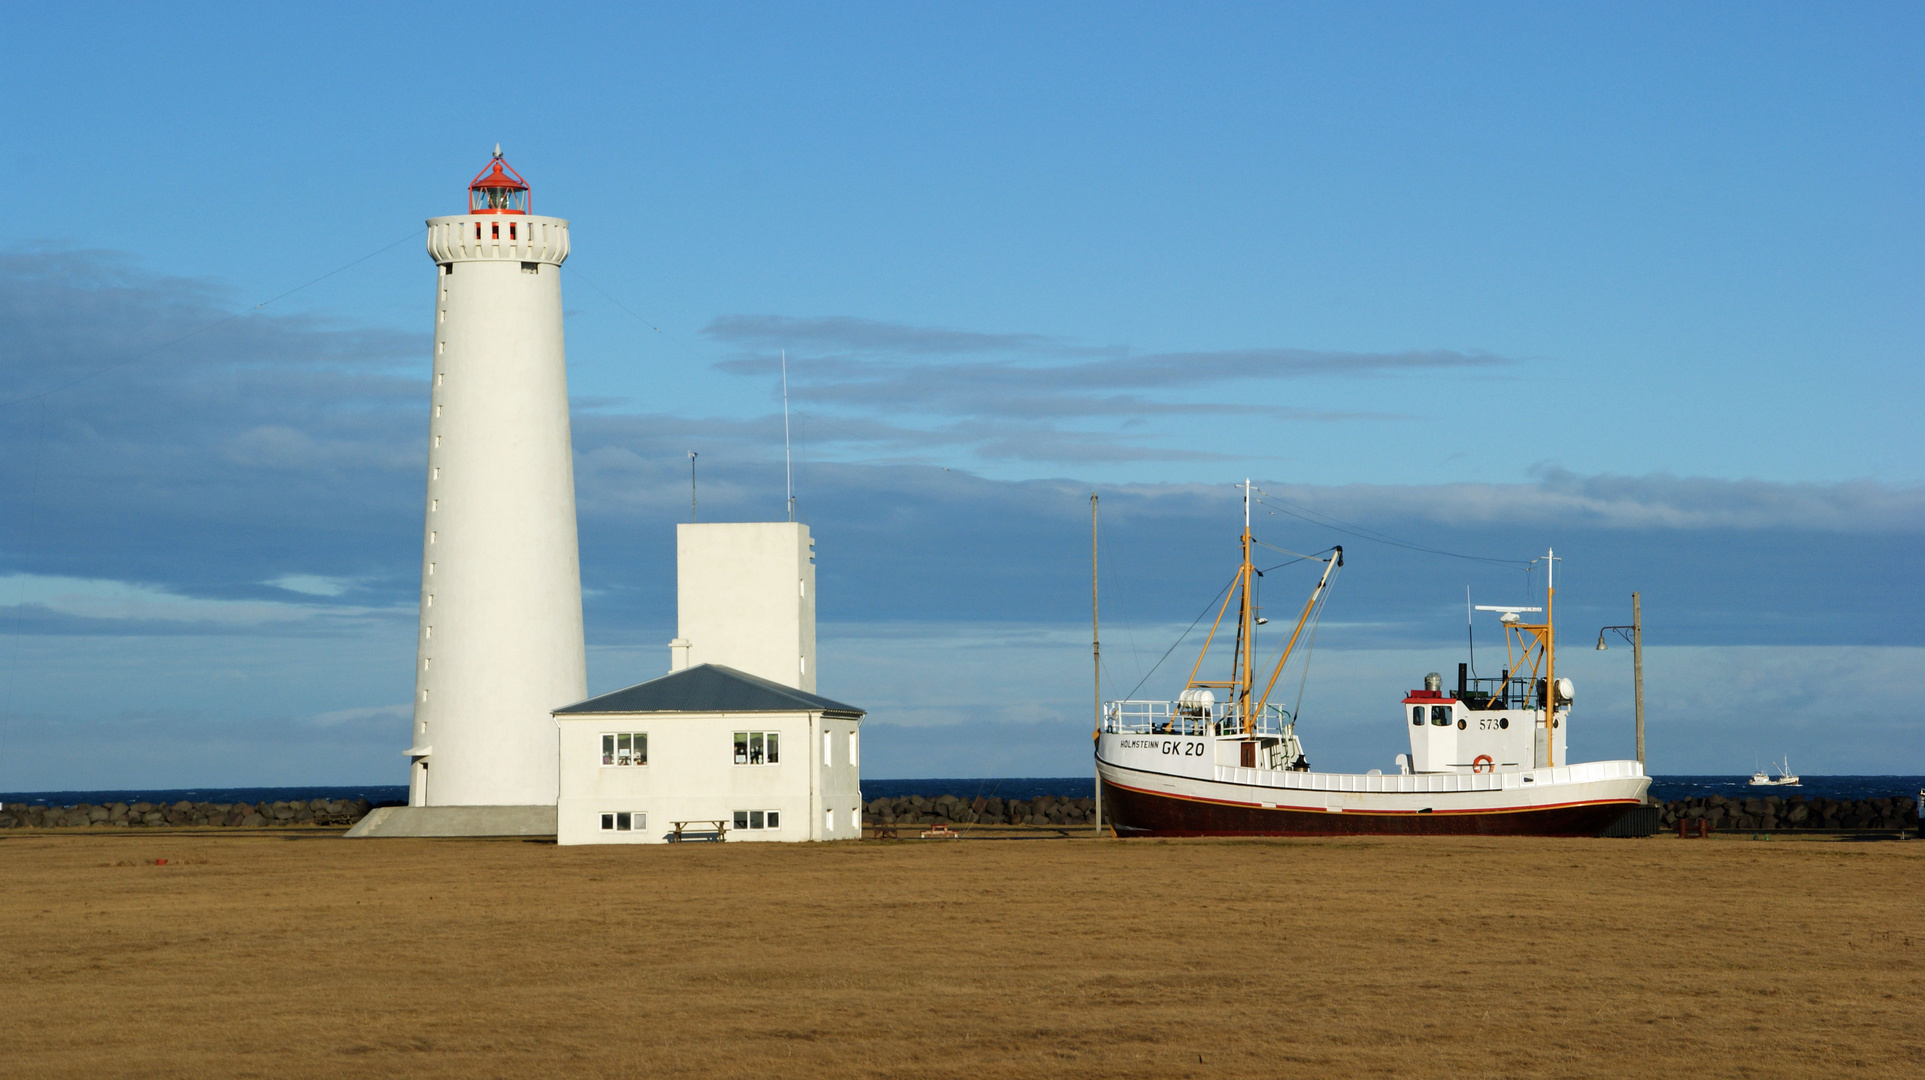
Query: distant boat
<point x="1786" y="778"/>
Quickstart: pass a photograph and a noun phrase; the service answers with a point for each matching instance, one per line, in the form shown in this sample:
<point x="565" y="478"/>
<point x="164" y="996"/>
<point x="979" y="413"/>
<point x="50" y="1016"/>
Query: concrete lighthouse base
<point x="455" y="821"/>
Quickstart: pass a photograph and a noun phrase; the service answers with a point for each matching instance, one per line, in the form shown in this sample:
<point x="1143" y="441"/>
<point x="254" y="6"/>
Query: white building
<point x="499" y="645"/>
<point x="745" y="597"/>
<point x="707" y="745"/>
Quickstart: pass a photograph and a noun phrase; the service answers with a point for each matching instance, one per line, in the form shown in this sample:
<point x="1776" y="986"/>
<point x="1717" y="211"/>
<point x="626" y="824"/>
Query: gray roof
<point x="708" y="688"/>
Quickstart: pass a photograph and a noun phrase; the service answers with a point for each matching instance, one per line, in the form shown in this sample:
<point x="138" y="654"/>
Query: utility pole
<point x="1096" y="658"/>
<point x="1634" y="634"/>
<point x="1637" y="666"/>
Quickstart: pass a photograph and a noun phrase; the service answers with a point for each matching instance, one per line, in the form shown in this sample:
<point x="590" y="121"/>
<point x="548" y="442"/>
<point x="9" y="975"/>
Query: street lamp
<point x="1634" y="634"/>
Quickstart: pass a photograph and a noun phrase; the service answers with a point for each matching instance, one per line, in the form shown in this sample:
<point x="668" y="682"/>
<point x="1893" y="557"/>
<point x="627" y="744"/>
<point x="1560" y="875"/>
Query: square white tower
<point x="745" y="598"/>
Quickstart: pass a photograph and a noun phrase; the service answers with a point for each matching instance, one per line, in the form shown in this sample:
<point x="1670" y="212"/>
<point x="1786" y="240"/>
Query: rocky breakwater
<point x="140" y="815"/>
<point x="979" y="810"/>
<point x="1772" y="813"/>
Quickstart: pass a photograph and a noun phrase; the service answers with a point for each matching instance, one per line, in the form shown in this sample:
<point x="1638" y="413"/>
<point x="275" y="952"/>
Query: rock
<point x="1798" y="814"/>
<point x="253" y="821"/>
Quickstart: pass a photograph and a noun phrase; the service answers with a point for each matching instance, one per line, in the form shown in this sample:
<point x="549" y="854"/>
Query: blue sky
<point x="1640" y="282"/>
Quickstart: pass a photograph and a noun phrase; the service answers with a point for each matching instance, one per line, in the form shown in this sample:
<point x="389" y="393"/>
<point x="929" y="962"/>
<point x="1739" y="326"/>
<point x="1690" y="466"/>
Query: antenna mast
<point x="691" y="487"/>
<point x="788" y="462"/>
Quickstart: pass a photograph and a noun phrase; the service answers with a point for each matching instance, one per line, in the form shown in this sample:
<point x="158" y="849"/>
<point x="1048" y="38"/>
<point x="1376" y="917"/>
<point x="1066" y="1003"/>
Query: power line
<point x="142" y="355"/>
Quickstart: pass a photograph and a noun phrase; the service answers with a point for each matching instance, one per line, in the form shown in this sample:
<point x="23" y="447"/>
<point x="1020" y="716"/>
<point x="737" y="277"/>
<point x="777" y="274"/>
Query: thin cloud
<point x="1064" y="394"/>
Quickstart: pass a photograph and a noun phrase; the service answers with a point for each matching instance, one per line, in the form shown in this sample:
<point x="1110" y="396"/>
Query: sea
<point x="1666" y="788"/>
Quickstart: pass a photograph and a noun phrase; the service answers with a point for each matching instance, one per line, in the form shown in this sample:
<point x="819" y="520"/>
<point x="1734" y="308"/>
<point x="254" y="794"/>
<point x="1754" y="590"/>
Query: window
<point x="1416" y="716"/>
<point x="625" y="748"/>
<point x="758" y="748"/>
<point x="531" y="268"/>
<point x="625" y="821"/>
<point x="828" y="755"/>
<point x="853" y="759"/>
<point x="1440" y="716"/>
<point x="828" y="821"/>
<point x="754" y="820"/>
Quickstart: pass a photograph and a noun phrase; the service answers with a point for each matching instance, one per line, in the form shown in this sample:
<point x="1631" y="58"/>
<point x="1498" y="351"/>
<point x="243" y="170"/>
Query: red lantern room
<point x="498" y="189"/>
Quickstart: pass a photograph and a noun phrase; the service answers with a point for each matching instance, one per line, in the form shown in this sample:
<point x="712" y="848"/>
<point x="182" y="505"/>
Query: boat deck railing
<point x="1176" y="718"/>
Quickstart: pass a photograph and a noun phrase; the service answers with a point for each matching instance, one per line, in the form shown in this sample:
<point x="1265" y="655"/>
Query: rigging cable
<point x="142" y="355"/>
<point x="1364" y="533"/>
<point x="1116" y="589"/>
<point x="1309" y="647"/>
<point x="1186" y="633"/>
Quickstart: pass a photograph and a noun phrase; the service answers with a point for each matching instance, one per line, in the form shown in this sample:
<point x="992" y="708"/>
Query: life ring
<point x="1485" y="761"/>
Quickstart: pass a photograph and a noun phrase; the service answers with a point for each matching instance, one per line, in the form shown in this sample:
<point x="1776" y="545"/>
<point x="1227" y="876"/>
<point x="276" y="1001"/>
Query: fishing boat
<point x="1786" y="778"/>
<point x="1487" y="758"/>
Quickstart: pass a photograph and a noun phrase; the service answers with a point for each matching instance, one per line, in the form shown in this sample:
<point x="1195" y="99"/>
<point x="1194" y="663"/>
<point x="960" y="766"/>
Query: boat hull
<point x="1135" y="812"/>
<point x="1194" y="798"/>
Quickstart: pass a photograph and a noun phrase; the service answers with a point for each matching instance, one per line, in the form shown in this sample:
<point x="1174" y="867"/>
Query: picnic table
<point x="681" y="831"/>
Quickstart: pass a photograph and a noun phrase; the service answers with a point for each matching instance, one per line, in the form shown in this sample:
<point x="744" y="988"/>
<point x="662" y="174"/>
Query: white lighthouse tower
<point x="500" y="640"/>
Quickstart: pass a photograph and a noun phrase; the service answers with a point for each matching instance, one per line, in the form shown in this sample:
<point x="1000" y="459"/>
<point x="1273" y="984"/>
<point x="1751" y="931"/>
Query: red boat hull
<point x="1134" y="812"/>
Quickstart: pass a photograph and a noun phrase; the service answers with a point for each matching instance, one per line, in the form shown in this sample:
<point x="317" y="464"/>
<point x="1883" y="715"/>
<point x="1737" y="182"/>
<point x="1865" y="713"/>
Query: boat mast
<point x="1244" y="670"/>
<point x="1550" y="656"/>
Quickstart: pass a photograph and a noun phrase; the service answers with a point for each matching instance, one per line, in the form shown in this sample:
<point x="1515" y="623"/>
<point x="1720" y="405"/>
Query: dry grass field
<point x="292" y="954"/>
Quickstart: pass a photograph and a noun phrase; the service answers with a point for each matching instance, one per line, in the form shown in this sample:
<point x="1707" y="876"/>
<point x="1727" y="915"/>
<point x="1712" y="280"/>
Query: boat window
<point x="1416" y="716"/>
<point x="1440" y="715"/>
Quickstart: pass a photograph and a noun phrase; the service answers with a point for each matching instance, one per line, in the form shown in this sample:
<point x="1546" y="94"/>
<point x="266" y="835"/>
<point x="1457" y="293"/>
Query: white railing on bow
<point x="1172" y="718"/>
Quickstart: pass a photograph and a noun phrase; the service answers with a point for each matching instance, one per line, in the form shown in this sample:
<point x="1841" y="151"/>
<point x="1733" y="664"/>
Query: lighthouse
<point x="499" y="645"/>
